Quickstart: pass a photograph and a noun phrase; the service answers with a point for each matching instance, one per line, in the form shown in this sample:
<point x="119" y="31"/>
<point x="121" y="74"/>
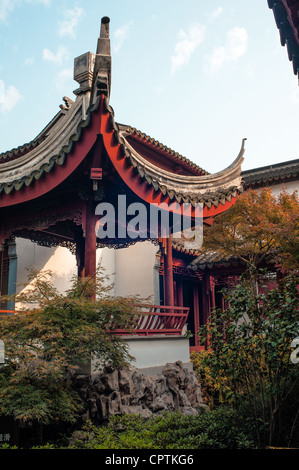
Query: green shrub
<point x="216" y="429"/>
<point x="249" y="365"/>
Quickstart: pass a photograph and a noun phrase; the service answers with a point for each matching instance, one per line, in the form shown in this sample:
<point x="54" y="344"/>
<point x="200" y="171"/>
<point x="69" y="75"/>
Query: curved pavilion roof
<point x="152" y="170"/>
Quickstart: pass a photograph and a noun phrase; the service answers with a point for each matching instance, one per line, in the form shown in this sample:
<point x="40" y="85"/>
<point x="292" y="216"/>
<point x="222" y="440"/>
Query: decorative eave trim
<point x="278" y="173"/>
<point x="209" y="260"/>
<point x="179" y="248"/>
<point x="21" y="150"/>
<point x="152" y="143"/>
<point x="141" y="172"/>
<point x="195" y="189"/>
<point x="56" y="161"/>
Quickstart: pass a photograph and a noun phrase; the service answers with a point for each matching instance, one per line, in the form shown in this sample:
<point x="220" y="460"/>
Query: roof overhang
<point x="35" y="169"/>
<point x="286" y="14"/>
<point x="215" y="192"/>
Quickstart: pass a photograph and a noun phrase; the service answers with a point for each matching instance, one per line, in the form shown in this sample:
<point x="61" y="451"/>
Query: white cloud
<point x="62" y="78"/>
<point x="235" y="46"/>
<point x="29" y="61"/>
<point x="217" y="12"/>
<point x="159" y="89"/>
<point x="121" y="35"/>
<point x="71" y="20"/>
<point x="249" y="71"/>
<point x="44" y="2"/>
<point x="6" y="7"/>
<point x="186" y="45"/>
<point x="58" y="58"/>
<point x="8" y="97"/>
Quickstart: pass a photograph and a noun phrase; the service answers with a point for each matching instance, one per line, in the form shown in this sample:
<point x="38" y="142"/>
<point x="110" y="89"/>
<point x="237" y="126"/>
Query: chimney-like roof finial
<point x="105" y="27"/>
<point x="103" y="47"/>
<point x="102" y="69"/>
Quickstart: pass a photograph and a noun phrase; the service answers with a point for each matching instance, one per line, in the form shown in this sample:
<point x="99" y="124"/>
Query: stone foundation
<point x="124" y="391"/>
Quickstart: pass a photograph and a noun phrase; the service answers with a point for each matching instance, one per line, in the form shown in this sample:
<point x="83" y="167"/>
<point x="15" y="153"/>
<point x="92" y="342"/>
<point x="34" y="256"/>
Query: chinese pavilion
<point x="50" y="187"/>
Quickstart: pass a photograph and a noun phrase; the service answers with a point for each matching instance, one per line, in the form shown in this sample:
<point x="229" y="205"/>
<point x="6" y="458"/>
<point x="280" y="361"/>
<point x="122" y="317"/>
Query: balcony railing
<point x="157" y="320"/>
<point x="4" y="313"/>
<point x="151" y="320"/>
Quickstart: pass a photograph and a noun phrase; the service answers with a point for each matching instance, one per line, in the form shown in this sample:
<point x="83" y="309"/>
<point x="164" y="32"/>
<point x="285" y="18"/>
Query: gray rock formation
<point x="122" y="391"/>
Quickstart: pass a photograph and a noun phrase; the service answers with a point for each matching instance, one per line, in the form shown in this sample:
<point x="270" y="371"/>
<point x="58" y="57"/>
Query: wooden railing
<point x="4" y="313"/>
<point x="151" y="320"/>
<point x="157" y="320"/>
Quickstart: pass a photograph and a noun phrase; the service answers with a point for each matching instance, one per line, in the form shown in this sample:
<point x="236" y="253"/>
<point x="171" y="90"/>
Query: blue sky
<point x="196" y="75"/>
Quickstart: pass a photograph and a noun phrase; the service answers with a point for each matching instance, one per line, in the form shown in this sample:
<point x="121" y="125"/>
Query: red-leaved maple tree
<point x="260" y="228"/>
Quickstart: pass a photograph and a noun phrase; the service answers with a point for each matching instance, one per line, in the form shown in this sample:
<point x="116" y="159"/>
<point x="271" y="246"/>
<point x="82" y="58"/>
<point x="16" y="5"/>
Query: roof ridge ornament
<point x="68" y="102"/>
<point x="93" y="71"/>
<point x="102" y="66"/>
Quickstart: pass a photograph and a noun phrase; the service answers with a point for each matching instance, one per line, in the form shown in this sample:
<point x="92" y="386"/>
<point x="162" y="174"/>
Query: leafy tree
<point x="259" y="228"/>
<point x="47" y="339"/>
<point x="249" y="358"/>
<point x="287" y="231"/>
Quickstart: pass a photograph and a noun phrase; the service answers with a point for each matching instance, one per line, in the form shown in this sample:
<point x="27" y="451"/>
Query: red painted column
<point x="206" y="297"/>
<point x="80" y="255"/>
<point x="90" y="241"/>
<point x="180" y="294"/>
<point x="1" y="271"/>
<point x="212" y="288"/>
<point x="196" y="312"/>
<point x="168" y="273"/>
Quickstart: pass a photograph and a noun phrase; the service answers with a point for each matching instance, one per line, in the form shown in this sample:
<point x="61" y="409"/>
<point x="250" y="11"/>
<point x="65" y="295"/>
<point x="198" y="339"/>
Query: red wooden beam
<point x="168" y="273"/>
<point x="6" y="312"/>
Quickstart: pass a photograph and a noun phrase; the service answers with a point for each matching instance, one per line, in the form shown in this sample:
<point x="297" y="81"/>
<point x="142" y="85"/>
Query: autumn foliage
<point x="49" y="338"/>
<point x="259" y="228"/>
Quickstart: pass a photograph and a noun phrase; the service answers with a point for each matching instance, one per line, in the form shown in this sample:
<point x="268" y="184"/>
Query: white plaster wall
<point x="134" y="268"/>
<point x="59" y="260"/>
<point x="289" y="187"/>
<point x="156" y="351"/>
<point x="129" y="270"/>
<point x="106" y="260"/>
